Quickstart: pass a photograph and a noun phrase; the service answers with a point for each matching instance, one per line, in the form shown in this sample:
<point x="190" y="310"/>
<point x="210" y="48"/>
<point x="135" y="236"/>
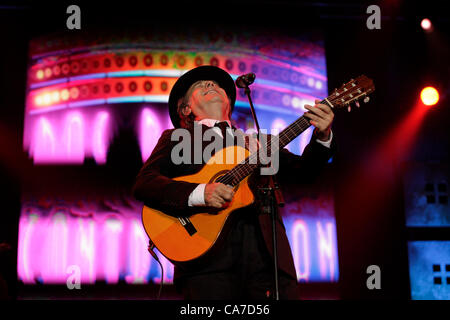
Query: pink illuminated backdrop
<point x="110" y="246"/>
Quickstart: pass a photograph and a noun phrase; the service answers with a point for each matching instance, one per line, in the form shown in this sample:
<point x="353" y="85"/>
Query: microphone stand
<point x="272" y="199"/>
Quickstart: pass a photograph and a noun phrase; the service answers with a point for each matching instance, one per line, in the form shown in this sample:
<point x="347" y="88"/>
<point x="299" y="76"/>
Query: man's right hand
<point x="217" y="195"/>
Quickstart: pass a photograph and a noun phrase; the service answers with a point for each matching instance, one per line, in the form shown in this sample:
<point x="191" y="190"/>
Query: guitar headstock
<point x="352" y="92"/>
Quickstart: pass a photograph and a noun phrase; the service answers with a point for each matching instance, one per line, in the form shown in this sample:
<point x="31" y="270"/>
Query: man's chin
<point x="216" y="100"/>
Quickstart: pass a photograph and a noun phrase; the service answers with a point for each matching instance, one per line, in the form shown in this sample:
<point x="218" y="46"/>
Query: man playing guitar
<point x="241" y="265"/>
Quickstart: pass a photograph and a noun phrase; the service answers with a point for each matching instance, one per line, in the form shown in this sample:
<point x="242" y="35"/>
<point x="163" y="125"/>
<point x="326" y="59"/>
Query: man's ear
<point x="186" y="110"/>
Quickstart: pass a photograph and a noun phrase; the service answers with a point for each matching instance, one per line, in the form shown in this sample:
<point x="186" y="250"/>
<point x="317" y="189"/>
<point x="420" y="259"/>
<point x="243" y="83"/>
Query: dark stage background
<point x="367" y="173"/>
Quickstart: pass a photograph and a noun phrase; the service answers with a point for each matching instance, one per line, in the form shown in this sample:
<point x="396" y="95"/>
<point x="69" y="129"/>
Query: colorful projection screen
<point x="82" y="90"/>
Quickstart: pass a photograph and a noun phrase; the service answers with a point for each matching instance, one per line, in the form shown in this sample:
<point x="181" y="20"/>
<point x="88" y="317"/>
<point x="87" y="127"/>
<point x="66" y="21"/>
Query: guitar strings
<point x="245" y="167"/>
<point x="241" y="169"/>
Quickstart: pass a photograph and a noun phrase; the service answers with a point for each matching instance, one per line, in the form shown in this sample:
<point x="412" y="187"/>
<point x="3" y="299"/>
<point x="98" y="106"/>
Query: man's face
<point x="208" y="100"/>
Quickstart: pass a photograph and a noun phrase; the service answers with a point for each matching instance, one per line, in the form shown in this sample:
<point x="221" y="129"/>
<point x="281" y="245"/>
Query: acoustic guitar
<point x="186" y="239"/>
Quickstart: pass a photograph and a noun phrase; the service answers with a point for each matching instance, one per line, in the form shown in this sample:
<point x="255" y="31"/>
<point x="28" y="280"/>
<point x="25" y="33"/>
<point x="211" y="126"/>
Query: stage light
<point x="429" y="96"/>
<point x="426" y="24"/>
<point x="229" y="64"/>
<point x="148" y="86"/>
<point x="40" y="74"/>
<point x="318" y="85"/>
<point x="242" y="66"/>
<point x="56" y="70"/>
<point x="286" y="100"/>
<point x="84" y="91"/>
<point x="55" y="96"/>
<point x="65" y="69"/>
<point x="132" y="86"/>
<point x="132" y="61"/>
<point x="296" y="103"/>
<point x="38" y="100"/>
<point x="198" y="61"/>
<point x="75" y="67"/>
<point x="47" y="98"/>
<point x="214" y="61"/>
<point x="48" y="72"/>
<point x="119" y="87"/>
<point x="74" y="92"/>
<point x="164" y="60"/>
<point x="64" y="94"/>
<point x="119" y="62"/>
<point x="148" y="60"/>
<point x="181" y="61"/>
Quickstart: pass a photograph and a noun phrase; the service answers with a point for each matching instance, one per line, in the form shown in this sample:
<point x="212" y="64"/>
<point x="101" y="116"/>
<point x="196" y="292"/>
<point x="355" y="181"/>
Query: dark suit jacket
<point x="154" y="185"/>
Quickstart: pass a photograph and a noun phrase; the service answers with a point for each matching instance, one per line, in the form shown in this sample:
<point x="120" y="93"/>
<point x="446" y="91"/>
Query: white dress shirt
<point x="197" y="196"/>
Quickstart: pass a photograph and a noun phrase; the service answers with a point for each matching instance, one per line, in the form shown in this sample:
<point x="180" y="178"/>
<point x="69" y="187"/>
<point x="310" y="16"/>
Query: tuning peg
<point x="366" y="99"/>
<point x="357" y="104"/>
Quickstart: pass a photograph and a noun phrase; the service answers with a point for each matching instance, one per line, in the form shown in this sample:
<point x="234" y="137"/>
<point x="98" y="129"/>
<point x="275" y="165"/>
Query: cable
<point x="150" y="249"/>
<point x="161" y="282"/>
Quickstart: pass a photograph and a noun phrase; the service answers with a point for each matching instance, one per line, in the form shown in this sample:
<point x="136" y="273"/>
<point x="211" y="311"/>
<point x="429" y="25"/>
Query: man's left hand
<point x="321" y="116"/>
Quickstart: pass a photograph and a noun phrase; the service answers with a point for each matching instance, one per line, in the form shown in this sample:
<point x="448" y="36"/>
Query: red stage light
<point x="75" y="67"/>
<point x="198" y="61"/>
<point x="426" y="24"/>
<point x="164" y="60"/>
<point x="429" y="96"/>
<point x="181" y="61"/>
<point x="65" y="68"/>
<point x="84" y="65"/>
<point x="119" y="62"/>
<point x="56" y="70"/>
<point x="132" y="61"/>
<point x="148" y="60"/>
<point x="132" y="86"/>
<point x="119" y="87"/>
<point x="147" y="86"/>
<point x="84" y="91"/>
<point x="214" y="62"/>
<point x="74" y="92"/>
<point x="229" y="64"/>
<point x="48" y="72"/>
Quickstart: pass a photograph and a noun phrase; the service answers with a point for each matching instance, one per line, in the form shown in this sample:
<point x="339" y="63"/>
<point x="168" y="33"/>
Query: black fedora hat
<point x="183" y="84"/>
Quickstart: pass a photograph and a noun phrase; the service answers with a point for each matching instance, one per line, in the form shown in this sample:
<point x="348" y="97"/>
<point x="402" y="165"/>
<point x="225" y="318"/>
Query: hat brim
<point x="183" y="84"/>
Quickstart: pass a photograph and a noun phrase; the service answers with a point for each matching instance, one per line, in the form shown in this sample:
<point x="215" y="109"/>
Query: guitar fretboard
<point x="246" y="167"/>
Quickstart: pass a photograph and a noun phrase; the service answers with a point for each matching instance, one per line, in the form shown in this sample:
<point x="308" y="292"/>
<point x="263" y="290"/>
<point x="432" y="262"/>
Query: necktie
<point x="223" y="127"/>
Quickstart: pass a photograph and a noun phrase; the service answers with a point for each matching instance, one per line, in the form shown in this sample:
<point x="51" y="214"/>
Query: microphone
<point x="245" y="80"/>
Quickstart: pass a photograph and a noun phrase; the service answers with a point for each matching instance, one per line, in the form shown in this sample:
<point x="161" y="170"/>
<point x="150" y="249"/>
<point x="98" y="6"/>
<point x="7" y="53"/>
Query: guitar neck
<point x="296" y="128"/>
<point x="245" y="168"/>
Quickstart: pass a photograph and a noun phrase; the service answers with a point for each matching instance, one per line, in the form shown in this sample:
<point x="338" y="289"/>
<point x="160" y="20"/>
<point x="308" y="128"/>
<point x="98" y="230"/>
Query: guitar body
<point x="171" y="237"/>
